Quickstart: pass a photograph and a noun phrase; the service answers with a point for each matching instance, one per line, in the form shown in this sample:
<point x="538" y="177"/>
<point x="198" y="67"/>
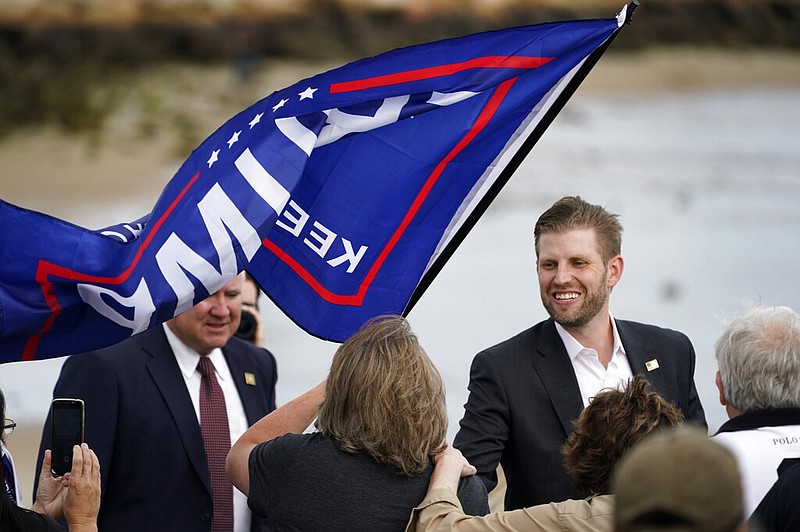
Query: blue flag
<point x="343" y="195"/>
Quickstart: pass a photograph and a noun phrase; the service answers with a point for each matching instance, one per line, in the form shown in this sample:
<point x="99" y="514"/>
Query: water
<point x="707" y="185"/>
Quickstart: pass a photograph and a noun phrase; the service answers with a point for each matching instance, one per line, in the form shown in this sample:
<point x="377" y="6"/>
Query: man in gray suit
<point x="526" y="391"/>
<point x="144" y="404"/>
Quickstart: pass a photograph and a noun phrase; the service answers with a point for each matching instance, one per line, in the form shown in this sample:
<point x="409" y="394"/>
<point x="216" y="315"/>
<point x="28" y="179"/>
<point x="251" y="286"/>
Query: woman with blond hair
<point x="381" y="418"/>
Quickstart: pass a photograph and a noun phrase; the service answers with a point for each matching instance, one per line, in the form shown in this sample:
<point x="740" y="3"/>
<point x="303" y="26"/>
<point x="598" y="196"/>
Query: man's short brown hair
<point x="572" y="212"/>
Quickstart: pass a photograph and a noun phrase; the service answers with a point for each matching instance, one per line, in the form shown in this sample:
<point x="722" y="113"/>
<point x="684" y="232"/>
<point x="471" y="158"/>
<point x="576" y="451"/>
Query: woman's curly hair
<point x="614" y="421"/>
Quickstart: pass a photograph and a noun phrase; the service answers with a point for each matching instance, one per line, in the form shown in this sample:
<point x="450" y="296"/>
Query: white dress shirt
<point x="592" y="376"/>
<point x="188" y="359"/>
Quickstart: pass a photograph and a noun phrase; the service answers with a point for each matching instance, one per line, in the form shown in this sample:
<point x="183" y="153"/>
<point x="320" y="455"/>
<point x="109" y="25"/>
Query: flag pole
<point x="515" y="162"/>
<point x="631" y="8"/>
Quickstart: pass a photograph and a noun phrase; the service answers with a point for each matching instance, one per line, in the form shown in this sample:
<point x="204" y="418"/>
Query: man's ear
<point x="722" y="399"/>
<point x="615" y="267"/>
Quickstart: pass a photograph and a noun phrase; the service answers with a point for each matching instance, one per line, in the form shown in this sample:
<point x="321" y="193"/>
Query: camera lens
<point x="247" y="326"/>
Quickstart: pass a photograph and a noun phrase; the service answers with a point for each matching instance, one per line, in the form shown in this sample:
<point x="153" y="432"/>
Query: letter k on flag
<point x="343" y="195"/>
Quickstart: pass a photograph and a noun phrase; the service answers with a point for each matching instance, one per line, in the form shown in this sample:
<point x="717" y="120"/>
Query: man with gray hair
<point x="759" y="386"/>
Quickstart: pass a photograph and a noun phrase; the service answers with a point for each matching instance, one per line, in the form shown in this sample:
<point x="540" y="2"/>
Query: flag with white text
<point x="343" y="195"/>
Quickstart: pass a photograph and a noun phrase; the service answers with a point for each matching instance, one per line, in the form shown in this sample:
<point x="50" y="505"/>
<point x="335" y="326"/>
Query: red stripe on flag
<point x="45" y="269"/>
<point x="357" y="299"/>
<point x="439" y="71"/>
<point x="306" y="276"/>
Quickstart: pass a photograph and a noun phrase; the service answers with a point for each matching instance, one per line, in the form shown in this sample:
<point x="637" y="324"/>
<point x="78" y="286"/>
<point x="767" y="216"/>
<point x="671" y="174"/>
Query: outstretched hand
<point x="450" y="466"/>
<point x="82" y="499"/>
<point x="50" y="491"/>
<point x="452" y="458"/>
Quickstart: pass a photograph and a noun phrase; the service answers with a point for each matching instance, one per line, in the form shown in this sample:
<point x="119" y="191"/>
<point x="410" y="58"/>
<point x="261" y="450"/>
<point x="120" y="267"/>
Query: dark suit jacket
<point x="524" y="396"/>
<point x="141" y="423"/>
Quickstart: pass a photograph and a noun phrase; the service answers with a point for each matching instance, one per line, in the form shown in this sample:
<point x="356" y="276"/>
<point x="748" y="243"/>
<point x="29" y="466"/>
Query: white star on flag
<point x="256" y="119"/>
<point x="234" y="139"/>
<point x="308" y="93"/>
<point x="280" y="104"/>
<point x="214" y="158"/>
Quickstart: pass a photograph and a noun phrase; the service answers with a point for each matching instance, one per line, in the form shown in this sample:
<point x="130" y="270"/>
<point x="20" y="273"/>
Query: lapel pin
<point x="651" y="365"/>
<point x="249" y="378"/>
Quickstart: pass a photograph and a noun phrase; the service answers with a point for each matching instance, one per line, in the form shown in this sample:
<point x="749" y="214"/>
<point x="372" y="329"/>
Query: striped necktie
<point x="217" y="441"/>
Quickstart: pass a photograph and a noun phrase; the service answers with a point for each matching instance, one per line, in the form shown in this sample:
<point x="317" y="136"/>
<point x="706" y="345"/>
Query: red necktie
<point x="217" y="440"/>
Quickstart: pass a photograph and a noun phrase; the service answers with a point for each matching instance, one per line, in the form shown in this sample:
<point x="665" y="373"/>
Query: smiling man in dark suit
<point x="526" y="391"/>
<point x="144" y="399"/>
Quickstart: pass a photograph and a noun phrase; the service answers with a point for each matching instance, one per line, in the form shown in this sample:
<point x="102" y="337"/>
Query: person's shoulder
<point x="291" y="439"/>
<point x="786" y="489"/>
<point x="648" y="330"/>
<point x="240" y="346"/>
<point x="121" y="354"/>
<point x="645" y="327"/>
<point x="305" y="443"/>
<point x="520" y="342"/>
<point x="237" y="347"/>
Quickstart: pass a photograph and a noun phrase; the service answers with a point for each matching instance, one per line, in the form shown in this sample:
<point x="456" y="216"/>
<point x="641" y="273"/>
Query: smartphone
<point x="66" y="416"/>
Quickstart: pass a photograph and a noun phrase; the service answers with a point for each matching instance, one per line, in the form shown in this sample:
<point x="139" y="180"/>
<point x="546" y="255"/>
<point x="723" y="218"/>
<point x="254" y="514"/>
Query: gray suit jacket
<point x="141" y="423"/>
<point x="524" y="396"/>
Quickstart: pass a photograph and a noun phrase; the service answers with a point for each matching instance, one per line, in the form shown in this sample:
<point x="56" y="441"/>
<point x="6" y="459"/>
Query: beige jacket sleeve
<point x="442" y="512"/>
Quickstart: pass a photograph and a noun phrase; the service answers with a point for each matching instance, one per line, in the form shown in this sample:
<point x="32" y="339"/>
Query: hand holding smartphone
<point x="67" y="418"/>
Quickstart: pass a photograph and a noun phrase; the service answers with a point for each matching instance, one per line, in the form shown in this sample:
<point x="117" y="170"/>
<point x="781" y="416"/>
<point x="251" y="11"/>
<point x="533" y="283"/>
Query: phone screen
<point x="67" y="422"/>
